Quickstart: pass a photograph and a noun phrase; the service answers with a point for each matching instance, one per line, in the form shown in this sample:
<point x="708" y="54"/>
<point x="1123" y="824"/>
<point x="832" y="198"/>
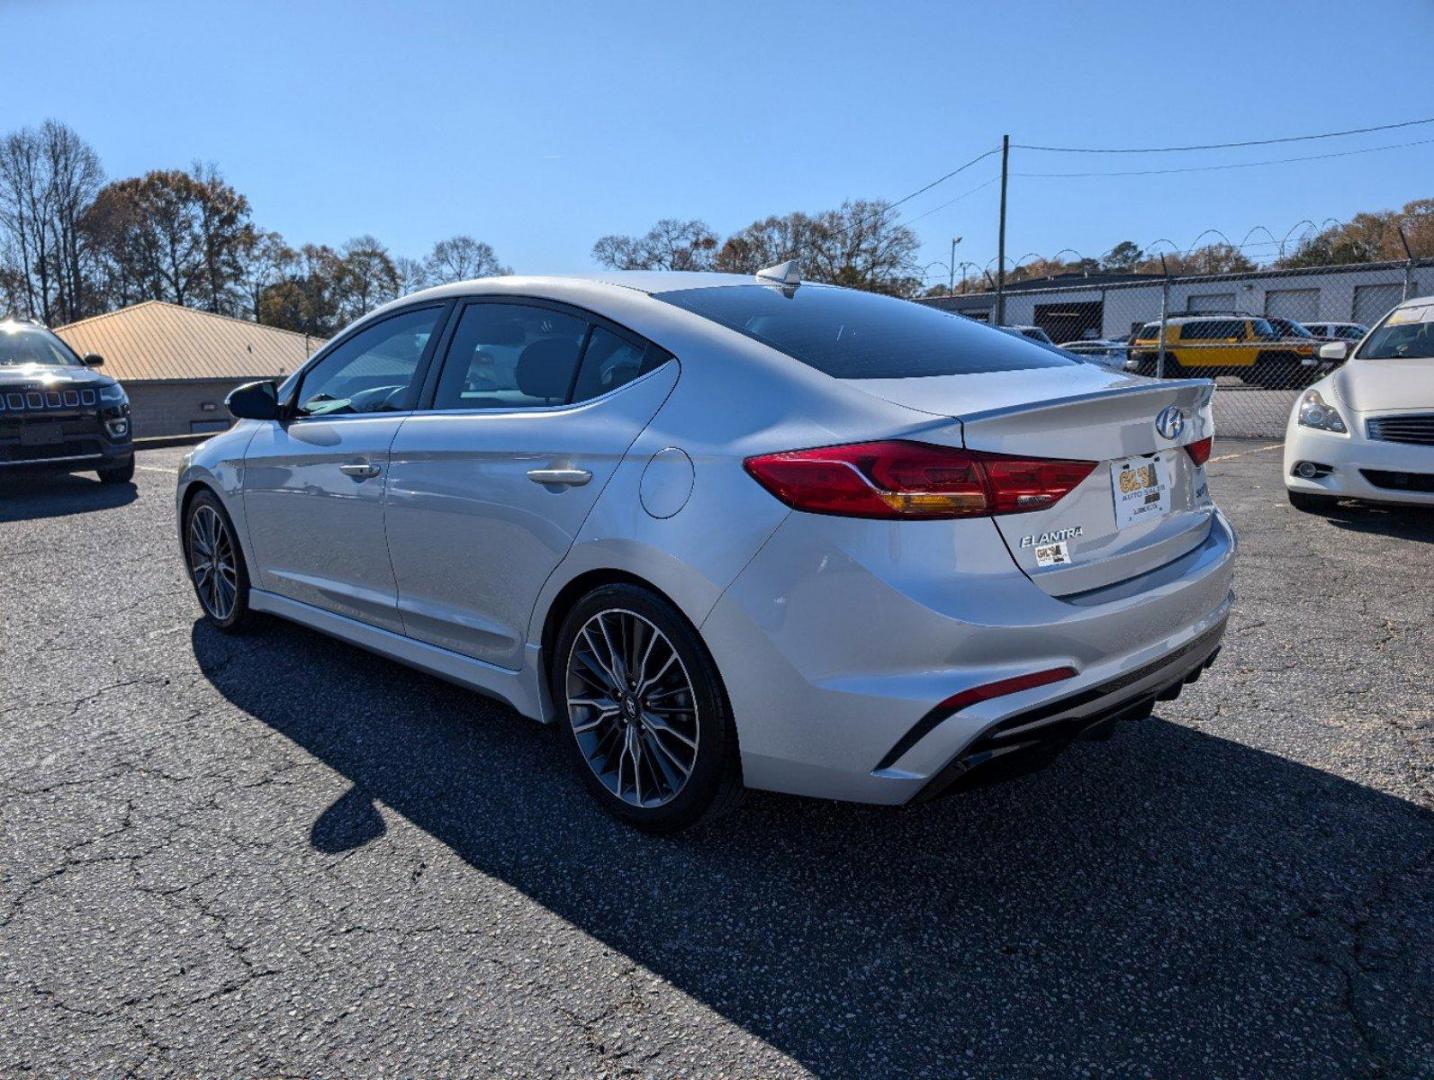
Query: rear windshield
<point x="858" y="335"/>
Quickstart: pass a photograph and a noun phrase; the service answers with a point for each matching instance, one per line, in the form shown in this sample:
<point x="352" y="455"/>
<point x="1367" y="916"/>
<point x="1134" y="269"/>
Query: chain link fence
<point x="1258" y="334"/>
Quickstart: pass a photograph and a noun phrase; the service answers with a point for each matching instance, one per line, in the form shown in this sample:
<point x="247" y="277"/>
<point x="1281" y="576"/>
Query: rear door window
<point x="857" y="335"/>
<point x="510" y="356"/>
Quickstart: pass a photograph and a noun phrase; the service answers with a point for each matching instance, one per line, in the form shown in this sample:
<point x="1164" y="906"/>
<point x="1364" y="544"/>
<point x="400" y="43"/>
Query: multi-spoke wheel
<point x="644" y="709"/>
<point x="632" y="708"/>
<point x="215" y="564"/>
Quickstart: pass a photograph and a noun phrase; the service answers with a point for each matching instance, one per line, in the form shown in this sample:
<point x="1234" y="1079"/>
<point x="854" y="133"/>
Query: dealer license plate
<point x="1142" y="489"/>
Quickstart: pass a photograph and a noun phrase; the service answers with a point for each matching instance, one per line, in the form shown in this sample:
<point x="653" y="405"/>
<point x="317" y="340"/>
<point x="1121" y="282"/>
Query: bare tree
<point x="412" y="275"/>
<point x="48" y="178"/>
<point x="366" y="277"/>
<point x="765" y="243"/>
<point x="461" y="257"/>
<point x="306" y="298"/>
<point x="172" y="235"/>
<point x="857" y="244"/>
<point x="669" y="245"/>
<point x="264" y="260"/>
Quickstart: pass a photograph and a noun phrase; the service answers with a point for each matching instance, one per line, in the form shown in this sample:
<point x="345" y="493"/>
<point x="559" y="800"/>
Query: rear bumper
<point x="1035" y="735"/>
<point x="1360" y="468"/>
<point x="841" y="638"/>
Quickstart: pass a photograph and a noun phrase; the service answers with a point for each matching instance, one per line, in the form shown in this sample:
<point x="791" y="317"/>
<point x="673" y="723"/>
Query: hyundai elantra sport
<point x="729" y="531"/>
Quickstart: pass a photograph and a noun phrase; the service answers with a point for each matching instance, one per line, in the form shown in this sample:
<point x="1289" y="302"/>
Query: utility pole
<point x="951" y="285"/>
<point x="1001" y="245"/>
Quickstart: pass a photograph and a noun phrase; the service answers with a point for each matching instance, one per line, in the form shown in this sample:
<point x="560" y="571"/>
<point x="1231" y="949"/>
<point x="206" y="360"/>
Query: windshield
<point x="21" y="344"/>
<point x="859" y="335"/>
<point x="1406" y="333"/>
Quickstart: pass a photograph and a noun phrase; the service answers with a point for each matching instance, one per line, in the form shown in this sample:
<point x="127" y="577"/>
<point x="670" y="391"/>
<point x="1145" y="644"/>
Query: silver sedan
<point x="729" y="531"/>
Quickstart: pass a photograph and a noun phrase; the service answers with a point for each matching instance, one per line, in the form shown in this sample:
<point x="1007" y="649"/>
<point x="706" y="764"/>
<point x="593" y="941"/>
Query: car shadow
<point x="1167" y="902"/>
<point x="44" y="495"/>
<point x="1400" y="522"/>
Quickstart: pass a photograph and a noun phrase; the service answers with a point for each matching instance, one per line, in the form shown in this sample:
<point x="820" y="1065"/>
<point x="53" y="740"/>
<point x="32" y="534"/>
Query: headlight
<point x="113" y="392"/>
<point x="1315" y="412"/>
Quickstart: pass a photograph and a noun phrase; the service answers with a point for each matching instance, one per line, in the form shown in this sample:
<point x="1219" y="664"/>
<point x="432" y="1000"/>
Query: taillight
<point x="1200" y="451"/>
<point x="901" y="479"/>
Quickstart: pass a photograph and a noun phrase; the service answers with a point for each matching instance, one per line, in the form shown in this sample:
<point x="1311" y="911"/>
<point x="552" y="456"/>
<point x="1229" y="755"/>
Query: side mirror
<point x="92" y="360"/>
<point x="254" y="401"/>
<point x="1334" y="350"/>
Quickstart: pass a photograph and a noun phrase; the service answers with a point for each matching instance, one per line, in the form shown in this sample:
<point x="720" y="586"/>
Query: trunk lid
<point x="1085" y="541"/>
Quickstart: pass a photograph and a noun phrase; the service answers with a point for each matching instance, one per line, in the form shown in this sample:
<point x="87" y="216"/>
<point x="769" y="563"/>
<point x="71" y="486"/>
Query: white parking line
<point x="156" y="468"/>
<point x="1245" y="453"/>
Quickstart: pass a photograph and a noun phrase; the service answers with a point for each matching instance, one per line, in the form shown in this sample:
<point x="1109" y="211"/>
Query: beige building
<point x="178" y="363"/>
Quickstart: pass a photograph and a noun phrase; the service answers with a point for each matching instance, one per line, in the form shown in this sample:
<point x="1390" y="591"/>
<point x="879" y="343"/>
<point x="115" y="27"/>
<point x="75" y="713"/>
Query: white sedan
<point x="1366" y="430"/>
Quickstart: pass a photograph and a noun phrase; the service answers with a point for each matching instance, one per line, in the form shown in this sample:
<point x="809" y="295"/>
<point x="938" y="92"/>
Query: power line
<point x="879" y="214"/>
<point x="950" y="202"/>
<point x="942" y="179"/>
<point x="1233" y="165"/>
<point x="1219" y="146"/>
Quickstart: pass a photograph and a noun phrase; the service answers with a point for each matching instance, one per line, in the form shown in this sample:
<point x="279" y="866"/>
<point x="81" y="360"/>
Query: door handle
<point x="360" y="470"/>
<point x="571" y="477"/>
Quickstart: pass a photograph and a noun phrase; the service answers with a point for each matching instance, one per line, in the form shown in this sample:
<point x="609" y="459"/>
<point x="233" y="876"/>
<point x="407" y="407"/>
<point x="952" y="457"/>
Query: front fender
<point x="218" y="464"/>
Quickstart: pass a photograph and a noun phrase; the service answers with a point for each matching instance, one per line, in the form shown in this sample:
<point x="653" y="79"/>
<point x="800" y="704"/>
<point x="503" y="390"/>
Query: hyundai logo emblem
<point x="1170" y="422"/>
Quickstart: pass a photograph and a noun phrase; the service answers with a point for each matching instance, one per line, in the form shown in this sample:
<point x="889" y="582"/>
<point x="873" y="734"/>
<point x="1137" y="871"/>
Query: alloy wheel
<point x="212" y="563"/>
<point x="632" y="708"/>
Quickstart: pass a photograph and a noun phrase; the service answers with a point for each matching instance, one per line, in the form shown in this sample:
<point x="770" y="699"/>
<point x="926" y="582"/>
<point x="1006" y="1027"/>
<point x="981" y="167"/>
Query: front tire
<point x="215" y="563"/>
<point x="644" y="714"/>
<point x="122" y="473"/>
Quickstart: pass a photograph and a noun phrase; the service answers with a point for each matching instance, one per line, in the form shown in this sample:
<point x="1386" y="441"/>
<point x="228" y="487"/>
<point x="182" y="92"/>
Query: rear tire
<point x="644" y="714"/>
<point x="118" y="474"/>
<point x="1312" y="504"/>
<point x="216" y="564"/>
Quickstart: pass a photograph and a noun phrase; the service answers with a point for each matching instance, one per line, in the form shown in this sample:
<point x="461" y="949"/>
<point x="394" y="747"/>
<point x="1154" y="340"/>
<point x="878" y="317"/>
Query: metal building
<point x="1070" y="307"/>
<point x="179" y="363"/>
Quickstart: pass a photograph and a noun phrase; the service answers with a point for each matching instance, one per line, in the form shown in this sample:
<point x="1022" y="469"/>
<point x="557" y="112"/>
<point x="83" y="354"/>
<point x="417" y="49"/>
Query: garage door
<point x="1210" y="302"/>
<point x="1372" y="302"/>
<point x="1302" y="305"/>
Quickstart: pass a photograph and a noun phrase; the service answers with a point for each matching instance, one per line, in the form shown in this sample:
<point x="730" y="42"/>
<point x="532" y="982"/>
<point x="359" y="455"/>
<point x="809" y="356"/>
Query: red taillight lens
<point x="901" y="479"/>
<point x="1200" y="451"/>
<point x="1022" y="484"/>
<point x="966" y="698"/>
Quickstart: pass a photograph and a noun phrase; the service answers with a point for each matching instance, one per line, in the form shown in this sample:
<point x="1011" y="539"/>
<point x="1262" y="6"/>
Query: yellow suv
<point x="1210" y="345"/>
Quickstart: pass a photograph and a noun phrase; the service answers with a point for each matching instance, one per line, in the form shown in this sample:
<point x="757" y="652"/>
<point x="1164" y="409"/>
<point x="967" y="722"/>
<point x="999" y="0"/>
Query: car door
<point x="313" y="482"/>
<point x="533" y="409"/>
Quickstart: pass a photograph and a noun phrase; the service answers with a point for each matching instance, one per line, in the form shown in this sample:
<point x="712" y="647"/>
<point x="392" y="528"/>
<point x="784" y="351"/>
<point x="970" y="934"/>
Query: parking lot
<point x="276" y="855"/>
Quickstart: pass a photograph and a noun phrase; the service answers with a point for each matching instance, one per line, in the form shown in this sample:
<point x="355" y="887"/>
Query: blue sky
<point x="540" y="126"/>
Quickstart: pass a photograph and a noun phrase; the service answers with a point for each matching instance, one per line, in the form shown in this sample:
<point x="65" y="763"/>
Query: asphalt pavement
<point x="276" y="855"/>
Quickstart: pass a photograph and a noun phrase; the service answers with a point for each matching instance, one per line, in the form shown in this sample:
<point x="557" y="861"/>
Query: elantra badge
<point x="1170" y="422"/>
<point x="1055" y="536"/>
